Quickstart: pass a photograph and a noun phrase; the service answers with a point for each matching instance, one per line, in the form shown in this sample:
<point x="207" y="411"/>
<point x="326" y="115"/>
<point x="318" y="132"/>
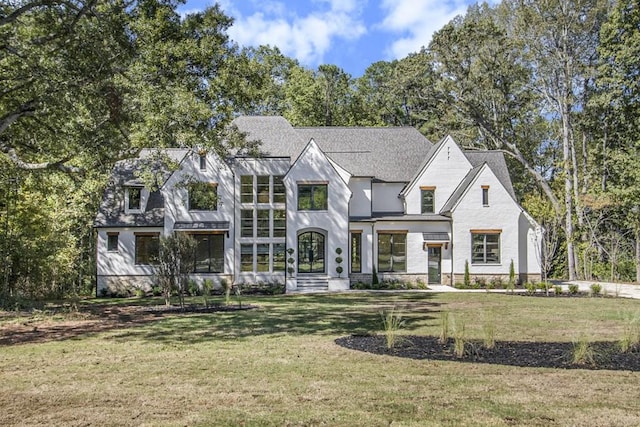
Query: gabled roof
<point x="496" y="162"/>
<point x="461" y="189"/>
<point x="390" y="154"/>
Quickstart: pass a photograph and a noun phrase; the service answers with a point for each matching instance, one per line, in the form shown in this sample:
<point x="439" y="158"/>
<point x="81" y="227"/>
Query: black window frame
<point x="481" y="239"/>
<point x="214" y="264"/>
<point x="356" y="252"/>
<point x="246" y="196"/>
<point x="147" y="249"/>
<point x="397" y="250"/>
<point x="134" y="198"/>
<point x="312" y="189"/>
<point x="113" y="242"/>
<point x="194" y="188"/>
<point x="425" y="207"/>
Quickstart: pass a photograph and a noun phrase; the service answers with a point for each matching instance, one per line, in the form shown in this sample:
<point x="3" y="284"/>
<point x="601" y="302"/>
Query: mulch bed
<point x="606" y="354"/>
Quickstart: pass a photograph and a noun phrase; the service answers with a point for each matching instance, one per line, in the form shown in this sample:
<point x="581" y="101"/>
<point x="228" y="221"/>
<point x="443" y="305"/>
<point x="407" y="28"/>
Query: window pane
<point x="477" y="248"/>
<point x="428" y="201"/>
<point x="485" y="197"/>
<point x="134" y="198"/>
<point x="399" y="252"/>
<point x="262" y="257"/>
<point x="279" y="223"/>
<point x="356" y="252"/>
<point x="319" y="197"/>
<point x="493" y="248"/>
<point x="147" y="249"/>
<point x="384" y="252"/>
<point x="279" y="256"/>
<point x="263" y="189"/>
<point x="278" y="190"/>
<point x="246" y="223"/>
<point x="304" y="197"/>
<point x="246" y="257"/>
<point x="246" y="189"/>
<point x="202" y="253"/>
<point x="262" y="224"/>
<point x="217" y="253"/>
<point x="203" y="162"/>
<point x="112" y="242"/>
<point x="203" y="196"/>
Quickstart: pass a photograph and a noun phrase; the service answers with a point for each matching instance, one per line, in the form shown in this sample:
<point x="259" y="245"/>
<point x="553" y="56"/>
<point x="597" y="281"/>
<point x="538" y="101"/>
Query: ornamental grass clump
<point x="392" y="323"/>
<point x="489" y="330"/>
<point x="444" y="327"/>
<point x="459" y="341"/>
<point x="630" y="340"/>
<point x="583" y="352"/>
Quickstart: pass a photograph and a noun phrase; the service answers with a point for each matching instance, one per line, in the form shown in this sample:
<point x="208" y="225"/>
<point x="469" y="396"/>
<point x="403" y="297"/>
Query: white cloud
<point x="306" y="38"/>
<point x="418" y="19"/>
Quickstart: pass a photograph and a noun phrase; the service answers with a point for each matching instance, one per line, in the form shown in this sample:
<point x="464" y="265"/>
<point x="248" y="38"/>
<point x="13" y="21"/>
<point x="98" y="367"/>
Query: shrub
<point x="104" y="292"/>
<point x="557" y="289"/>
<point x="338" y="260"/>
<point x="631" y="333"/>
<point x="140" y="293"/>
<point x="339" y="269"/>
<point x="595" y="289"/>
<point x="392" y="322"/>
<point x="193" y="288"/>
<point x="512" y="275"/>
<point x="467" y="278"/>
<point x="156" y="290"/>
<point x="530" y="288"/>
<point x="583" y="353"/>
<point x="497" y="282"/>
<point x="479" y="283"/>
<point x="226" y="288"/>
<point x="573" y="289"/>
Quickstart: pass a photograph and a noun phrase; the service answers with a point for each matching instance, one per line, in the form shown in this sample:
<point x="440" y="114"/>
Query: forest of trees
<point x="554" y="84"/>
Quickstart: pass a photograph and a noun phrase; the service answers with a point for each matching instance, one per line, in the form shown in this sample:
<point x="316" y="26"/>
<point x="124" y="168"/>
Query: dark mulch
<point x="606" y="354"/>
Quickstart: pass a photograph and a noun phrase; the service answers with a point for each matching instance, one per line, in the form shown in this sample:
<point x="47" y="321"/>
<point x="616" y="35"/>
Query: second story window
<point x="203" y="162"/>
<point x="203" y="196"/>
<point x="278" y="190"/>
<point x="246" y="189"/>
<point x="134" y="196"/>
<point x="263" y="189"/>
<point x="485" y="195"/>
<point x="313" y="197"/>
<point x="427" y="200"/>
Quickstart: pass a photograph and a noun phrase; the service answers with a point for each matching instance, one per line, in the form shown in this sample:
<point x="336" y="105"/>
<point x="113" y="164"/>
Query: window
<point x="203" y="196"/>
<point x="134" y="198"/>
<point x="263" y="189"/>
<point x="246" y="223"/>
<point x="246" y="189"/>
<point x="262" y="223"/>
<point x="203" y="162"/>
<point x="279" y="195"/>
<point x="279" y="223"/>
<point x="392" y="251"/>
<point x="246" y="257"/>
<point x="485" y="247"/>
<point x="209" y="253"/>
<point x="279" y="256"/>
<point x="356" y="252"/>
<point x="312" y="197"/>
<point x="262" y="257"/>
<point x="427" y="199"/>
<point x="485" y="195"/>
<point x="147" y="248"/>
<point x="112" y="242"/>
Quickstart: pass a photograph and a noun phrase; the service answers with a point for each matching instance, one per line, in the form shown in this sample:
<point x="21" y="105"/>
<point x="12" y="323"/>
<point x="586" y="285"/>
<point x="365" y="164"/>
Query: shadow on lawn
<point x="327" y="314"/>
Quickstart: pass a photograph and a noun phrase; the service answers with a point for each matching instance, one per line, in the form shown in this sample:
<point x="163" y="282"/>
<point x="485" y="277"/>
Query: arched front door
<point x="311" y="252"/>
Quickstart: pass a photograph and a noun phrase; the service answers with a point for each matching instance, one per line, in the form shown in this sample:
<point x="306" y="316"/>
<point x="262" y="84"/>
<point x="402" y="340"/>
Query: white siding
<point x="122" y="261"/>
<point x="360" y="203"/>
<point x="502" y="213"/>
<point x="445" y="172"/>
<point x="385" y="197"/>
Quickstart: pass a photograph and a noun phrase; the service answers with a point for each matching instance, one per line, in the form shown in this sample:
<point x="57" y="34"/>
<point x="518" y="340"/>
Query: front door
<point x="311" y="252"/>
<point x="435" y="256"/>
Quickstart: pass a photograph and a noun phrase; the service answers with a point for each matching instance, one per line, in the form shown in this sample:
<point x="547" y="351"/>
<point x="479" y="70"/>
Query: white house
<point x="321" y="208"/>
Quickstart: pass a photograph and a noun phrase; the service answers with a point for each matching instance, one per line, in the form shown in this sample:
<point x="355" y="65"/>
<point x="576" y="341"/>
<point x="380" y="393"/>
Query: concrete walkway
<point x="612" y="289"/>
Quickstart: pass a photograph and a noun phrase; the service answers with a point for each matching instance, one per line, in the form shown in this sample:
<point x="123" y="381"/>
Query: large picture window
<point x="209" y="253"/>
<point x="147" y="248"/>
<point x="312" y="197"/>
<point x="203" y="196"/>
<point x="392" y="252"/>
<point x="427" y="200"/>
<point x="485" y="247"/>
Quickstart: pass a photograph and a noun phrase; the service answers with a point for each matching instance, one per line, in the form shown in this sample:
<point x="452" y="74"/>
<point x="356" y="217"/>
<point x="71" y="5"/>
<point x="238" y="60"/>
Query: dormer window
<point x="485" y="195"/>
<point x="133" y="198"/>
<point x="203" y="196"/>
<point x="427" y="200"/>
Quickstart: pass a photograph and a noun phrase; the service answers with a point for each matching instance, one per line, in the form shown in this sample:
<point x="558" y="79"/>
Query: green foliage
<point x="583" y="352"/>
<point x="512" y="275"/>
<point x="392" y="323"/>
<point x="374" y="278"/>
<point x="630" y="340"/>
<point x="573" y="289"/>
<point x="557" y="289"/>
<point x="595" y="289"/>
<point x="530" y="288"/>
<point x="467" y="278"/>
<point x="226" y="289"/>
<point x="459" y="340"/>
<point x="175" y="262"/>
<point x="444" y="327"/>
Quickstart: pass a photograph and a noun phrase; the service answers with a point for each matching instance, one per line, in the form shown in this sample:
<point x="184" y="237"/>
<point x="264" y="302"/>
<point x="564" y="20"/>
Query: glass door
<point x="435" y="256"/>
<point x="311" y="252"/>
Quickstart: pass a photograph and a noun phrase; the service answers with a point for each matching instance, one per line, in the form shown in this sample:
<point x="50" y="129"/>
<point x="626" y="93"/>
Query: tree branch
<point x="58" y="164"/>
<point x="26" y="109"/>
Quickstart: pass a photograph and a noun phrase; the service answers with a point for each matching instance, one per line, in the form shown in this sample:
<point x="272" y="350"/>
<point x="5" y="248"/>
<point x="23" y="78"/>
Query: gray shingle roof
<point x="459" y="191"/>
<point x="389" y="154"/>
<point x="496" y="162"/>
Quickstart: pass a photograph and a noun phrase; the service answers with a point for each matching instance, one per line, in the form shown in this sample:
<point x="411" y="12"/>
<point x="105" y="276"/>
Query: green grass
<point x="279" y="365"/>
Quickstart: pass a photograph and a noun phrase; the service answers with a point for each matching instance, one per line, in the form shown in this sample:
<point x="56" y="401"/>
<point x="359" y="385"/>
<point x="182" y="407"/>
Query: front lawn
<point x="279" y="364"/>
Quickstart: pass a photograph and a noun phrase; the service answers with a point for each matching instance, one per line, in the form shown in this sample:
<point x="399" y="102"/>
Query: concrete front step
<point x="313" y="284"/>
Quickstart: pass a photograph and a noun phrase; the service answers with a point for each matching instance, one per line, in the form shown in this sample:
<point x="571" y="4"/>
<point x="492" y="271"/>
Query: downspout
<point x="451" y="279"/>
<point x="235" y="240"/>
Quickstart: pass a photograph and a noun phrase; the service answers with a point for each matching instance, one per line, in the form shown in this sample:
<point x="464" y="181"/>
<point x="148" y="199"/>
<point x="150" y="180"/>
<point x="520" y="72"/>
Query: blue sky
<point x="351" y="34"/>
